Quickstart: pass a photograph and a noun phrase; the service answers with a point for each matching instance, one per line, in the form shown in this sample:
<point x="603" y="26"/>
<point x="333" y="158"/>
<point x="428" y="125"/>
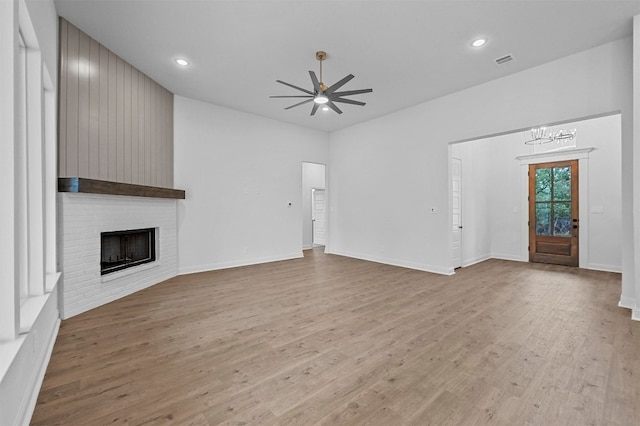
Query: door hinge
<point x="528" y="248"/>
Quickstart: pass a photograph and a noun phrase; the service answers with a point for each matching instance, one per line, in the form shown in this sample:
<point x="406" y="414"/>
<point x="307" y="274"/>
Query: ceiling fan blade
<point x="300" y="103"/>
<point x="292" y="96"/>
<point x="338" y="85"/>
<point x="315" y="108"/>
<point x="352" y="92"/>
<point x="348" y="101"/>
<point x="333" y="106"/>
<point x="316" y="83"/>
<point x="296" y="87"/>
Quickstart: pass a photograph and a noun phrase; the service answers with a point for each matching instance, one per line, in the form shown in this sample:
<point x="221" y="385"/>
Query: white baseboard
<point x="629" y="303"/>
<point x="626" y="302"/>
<point x="604" y="268"/>
<point x="512" y="257"/>
<point x="237" y="263"/>
<point x="25" y="364"/>
<point x="395" y="262"/>
<point x="33" y="398"/>
<point x="477" y="259"/>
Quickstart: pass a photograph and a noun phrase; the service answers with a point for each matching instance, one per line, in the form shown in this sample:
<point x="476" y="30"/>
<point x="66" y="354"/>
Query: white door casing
<point x="319" y="216"/>
<point x="456" y="212"/>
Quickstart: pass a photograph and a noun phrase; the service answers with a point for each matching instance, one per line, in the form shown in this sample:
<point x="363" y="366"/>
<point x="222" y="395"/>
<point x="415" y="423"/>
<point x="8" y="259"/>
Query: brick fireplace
<point x="82" y="220"/>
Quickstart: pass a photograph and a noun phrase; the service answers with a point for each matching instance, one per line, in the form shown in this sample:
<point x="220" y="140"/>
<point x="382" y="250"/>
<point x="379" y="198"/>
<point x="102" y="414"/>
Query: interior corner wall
<point x="240" y="172"/>
<point x="387" y="215"/>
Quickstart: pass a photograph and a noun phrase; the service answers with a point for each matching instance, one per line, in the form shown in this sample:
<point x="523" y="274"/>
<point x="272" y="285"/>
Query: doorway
<point x="314" y="179"/>
<point x="319" y="217"/>
<point x="553" y="213"/>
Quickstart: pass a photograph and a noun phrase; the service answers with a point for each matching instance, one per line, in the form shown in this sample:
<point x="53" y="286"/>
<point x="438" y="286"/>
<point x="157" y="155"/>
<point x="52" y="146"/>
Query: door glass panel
<point x="562" y="183"/>
<point x="562" y="219"/>
<point x="543" y="218"/>
<point x="553" y="201"/>
<point x="543" y="185"/>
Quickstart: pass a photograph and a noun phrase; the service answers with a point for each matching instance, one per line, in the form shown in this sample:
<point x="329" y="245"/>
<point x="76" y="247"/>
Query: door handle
<point x="459" y="226"/>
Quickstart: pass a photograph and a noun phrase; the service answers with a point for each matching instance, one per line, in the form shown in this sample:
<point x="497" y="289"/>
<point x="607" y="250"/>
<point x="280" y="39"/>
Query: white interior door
<point x="456" y="211"/>
<point x="319" y="216"/>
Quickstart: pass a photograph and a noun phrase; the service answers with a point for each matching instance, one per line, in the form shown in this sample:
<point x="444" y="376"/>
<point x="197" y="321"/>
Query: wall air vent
<point x="504" y="59"/>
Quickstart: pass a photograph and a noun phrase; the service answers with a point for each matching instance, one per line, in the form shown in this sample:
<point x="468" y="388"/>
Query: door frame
<point x="455" y="264"/>
<point x="326" y="214"/>
<point x="580" y="154"/>
<point x="307" y="184"/>
<point x="574" y="223"/>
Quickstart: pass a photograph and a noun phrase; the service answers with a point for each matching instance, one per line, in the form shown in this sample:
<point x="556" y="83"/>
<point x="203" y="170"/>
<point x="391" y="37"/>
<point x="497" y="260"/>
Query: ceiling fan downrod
<point x="321" y="55"/>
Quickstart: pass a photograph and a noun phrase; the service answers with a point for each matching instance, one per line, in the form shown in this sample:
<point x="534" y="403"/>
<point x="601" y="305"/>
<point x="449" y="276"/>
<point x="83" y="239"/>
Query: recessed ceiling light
<point x="325" y="108"/>
<point x="478" y="42"/>
<point x="182" y="62"/>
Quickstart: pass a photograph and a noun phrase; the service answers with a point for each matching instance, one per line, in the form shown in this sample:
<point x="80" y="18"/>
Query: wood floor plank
<point x="329" y="340"/>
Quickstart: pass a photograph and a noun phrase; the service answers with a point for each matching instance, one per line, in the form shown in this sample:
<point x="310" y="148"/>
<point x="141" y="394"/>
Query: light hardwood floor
<point x="336" y="341"/>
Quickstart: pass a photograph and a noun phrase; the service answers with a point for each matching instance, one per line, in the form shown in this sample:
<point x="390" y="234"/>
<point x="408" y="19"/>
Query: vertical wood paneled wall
<point x="115" y="123"/>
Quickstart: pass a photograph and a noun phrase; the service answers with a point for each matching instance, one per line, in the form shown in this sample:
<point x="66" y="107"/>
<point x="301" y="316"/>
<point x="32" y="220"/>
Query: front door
<point x="553" y="213"/>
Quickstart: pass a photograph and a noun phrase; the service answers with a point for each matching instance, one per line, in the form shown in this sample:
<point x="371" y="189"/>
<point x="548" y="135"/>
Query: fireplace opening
<point x="125" y="249"/>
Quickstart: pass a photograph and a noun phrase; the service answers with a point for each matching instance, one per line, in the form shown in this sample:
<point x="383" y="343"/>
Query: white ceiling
<point x="407" y="51"/>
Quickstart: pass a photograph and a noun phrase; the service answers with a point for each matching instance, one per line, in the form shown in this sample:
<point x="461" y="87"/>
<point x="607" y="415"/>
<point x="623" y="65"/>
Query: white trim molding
<point x="580" y="154"/>
<point x="560" y="155"/>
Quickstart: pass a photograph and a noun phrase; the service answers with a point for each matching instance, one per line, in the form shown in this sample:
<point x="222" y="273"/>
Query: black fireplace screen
<point x="124" y="249"/>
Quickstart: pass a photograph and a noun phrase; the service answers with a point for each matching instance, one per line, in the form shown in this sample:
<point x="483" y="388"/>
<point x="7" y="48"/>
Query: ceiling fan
<point x="323" y="95"/>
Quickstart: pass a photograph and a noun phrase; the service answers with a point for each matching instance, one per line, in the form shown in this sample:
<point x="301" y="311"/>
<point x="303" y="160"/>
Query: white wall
<point x="495" y="186"/>
<point x="508" y="216"/>
<point x="630" y="297"/>
<point x="476" y="208"/>
<point x="385" y="216"/>
<point x="28" y="328"/>
<point x="313" y="177"/>
<point x="240" y="172"/>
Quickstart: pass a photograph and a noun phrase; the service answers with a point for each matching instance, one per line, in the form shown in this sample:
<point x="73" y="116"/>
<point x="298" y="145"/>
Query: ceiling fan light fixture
<point x="320" y="99"/>
<point x="479" y="42"/>
<point x="321" y="94"/>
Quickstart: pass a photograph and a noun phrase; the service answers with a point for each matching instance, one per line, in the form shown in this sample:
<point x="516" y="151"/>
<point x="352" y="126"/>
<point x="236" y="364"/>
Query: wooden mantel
<point x="93" y="186"/>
